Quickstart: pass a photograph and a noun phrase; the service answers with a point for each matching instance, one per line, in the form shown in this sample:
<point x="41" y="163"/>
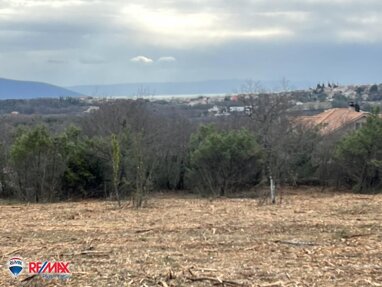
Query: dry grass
<point x="312" y="239"/>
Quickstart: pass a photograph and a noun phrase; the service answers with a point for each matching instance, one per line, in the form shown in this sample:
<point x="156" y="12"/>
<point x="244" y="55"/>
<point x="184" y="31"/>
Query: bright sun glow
<point x="174" y="28"/>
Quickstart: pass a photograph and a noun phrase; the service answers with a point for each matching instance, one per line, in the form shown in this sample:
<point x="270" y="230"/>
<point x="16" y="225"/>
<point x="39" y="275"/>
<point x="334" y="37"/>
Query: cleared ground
<point x="311" y="239"/>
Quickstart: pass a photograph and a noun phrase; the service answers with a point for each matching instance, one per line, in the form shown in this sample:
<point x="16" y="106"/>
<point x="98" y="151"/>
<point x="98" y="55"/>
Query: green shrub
<point x="222" y="162"/>
<point x="360" y="155"/>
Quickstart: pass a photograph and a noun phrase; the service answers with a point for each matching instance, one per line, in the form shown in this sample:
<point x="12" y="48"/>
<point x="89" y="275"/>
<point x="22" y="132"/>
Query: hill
<point x="13" y="89"/>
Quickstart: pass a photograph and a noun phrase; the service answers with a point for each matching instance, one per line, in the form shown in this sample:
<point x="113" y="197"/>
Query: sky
<point x="73" y="42"/>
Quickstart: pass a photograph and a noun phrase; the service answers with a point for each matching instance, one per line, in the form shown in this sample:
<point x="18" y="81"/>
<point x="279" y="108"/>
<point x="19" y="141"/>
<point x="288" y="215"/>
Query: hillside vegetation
<point x="128" y="149"/>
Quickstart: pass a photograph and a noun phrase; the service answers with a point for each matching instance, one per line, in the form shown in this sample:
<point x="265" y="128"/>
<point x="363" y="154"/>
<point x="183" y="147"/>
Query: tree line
<point x="128" y="149"/>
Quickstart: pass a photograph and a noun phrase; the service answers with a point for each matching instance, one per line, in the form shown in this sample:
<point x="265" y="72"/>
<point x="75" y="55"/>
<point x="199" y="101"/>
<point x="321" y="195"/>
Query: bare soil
<point x="310" y="239"/>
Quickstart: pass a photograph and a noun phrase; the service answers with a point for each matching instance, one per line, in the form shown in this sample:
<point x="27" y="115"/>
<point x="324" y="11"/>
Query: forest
<point x="129" y="149"/>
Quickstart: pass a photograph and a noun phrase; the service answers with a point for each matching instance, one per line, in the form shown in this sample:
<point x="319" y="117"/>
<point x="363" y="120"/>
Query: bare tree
<point x="269" y="120"/>
<point x="116" y="164"/>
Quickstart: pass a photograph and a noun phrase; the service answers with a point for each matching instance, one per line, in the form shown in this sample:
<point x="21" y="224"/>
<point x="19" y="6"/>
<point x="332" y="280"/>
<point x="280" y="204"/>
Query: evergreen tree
<point x="360" y="155"/>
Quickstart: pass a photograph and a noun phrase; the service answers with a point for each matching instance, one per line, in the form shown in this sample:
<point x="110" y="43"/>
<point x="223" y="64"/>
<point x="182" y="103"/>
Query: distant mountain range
<point x="12" y="89"/>
<point x="177" y="88"/>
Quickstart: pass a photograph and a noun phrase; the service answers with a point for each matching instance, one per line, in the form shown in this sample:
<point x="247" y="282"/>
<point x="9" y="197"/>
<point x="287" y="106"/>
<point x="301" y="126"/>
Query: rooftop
<point x="333" y="119"/>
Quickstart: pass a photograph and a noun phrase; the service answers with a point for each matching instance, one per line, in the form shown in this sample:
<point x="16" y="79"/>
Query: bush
<point x="222" y="162"/>
<point x="84" y="173"/>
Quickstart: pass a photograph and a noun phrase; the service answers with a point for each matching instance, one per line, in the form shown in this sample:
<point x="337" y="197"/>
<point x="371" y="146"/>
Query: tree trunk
<point x="273" y="190"/>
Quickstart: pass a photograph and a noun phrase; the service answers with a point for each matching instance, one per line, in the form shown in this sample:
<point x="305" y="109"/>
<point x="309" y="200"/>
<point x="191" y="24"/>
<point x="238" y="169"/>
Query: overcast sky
<point x="70" y="42"/>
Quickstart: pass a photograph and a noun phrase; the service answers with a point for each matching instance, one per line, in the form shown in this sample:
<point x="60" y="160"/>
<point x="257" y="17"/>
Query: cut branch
<point x="216" y="280"/>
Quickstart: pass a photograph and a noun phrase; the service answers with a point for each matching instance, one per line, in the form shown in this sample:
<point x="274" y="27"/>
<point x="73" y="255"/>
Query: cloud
<point x="184" y="24"/>
<point x="146" y="60"/>
<point x="171" y="27"/>
<point x="167" y="59"/>
<point x="261" y="39"/>
<point x="142" y="60"/>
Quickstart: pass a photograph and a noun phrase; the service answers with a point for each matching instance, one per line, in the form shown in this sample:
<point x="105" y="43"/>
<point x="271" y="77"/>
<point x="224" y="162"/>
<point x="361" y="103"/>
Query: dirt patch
<point x="312" y="239"/>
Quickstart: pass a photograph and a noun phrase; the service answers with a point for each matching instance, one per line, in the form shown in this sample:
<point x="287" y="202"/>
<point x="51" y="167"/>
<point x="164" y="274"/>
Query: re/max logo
<point x="49" y="267"/>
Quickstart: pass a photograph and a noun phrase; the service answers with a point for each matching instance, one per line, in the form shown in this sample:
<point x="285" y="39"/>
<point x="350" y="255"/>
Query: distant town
<point x="301" y="102"/>
<point x="322" y="97"/>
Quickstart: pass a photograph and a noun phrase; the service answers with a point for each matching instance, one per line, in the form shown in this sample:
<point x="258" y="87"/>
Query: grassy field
<point x="311" y="239"/>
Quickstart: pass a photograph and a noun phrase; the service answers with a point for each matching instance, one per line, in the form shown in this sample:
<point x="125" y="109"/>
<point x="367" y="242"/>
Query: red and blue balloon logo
<point x="16" y="266"/>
